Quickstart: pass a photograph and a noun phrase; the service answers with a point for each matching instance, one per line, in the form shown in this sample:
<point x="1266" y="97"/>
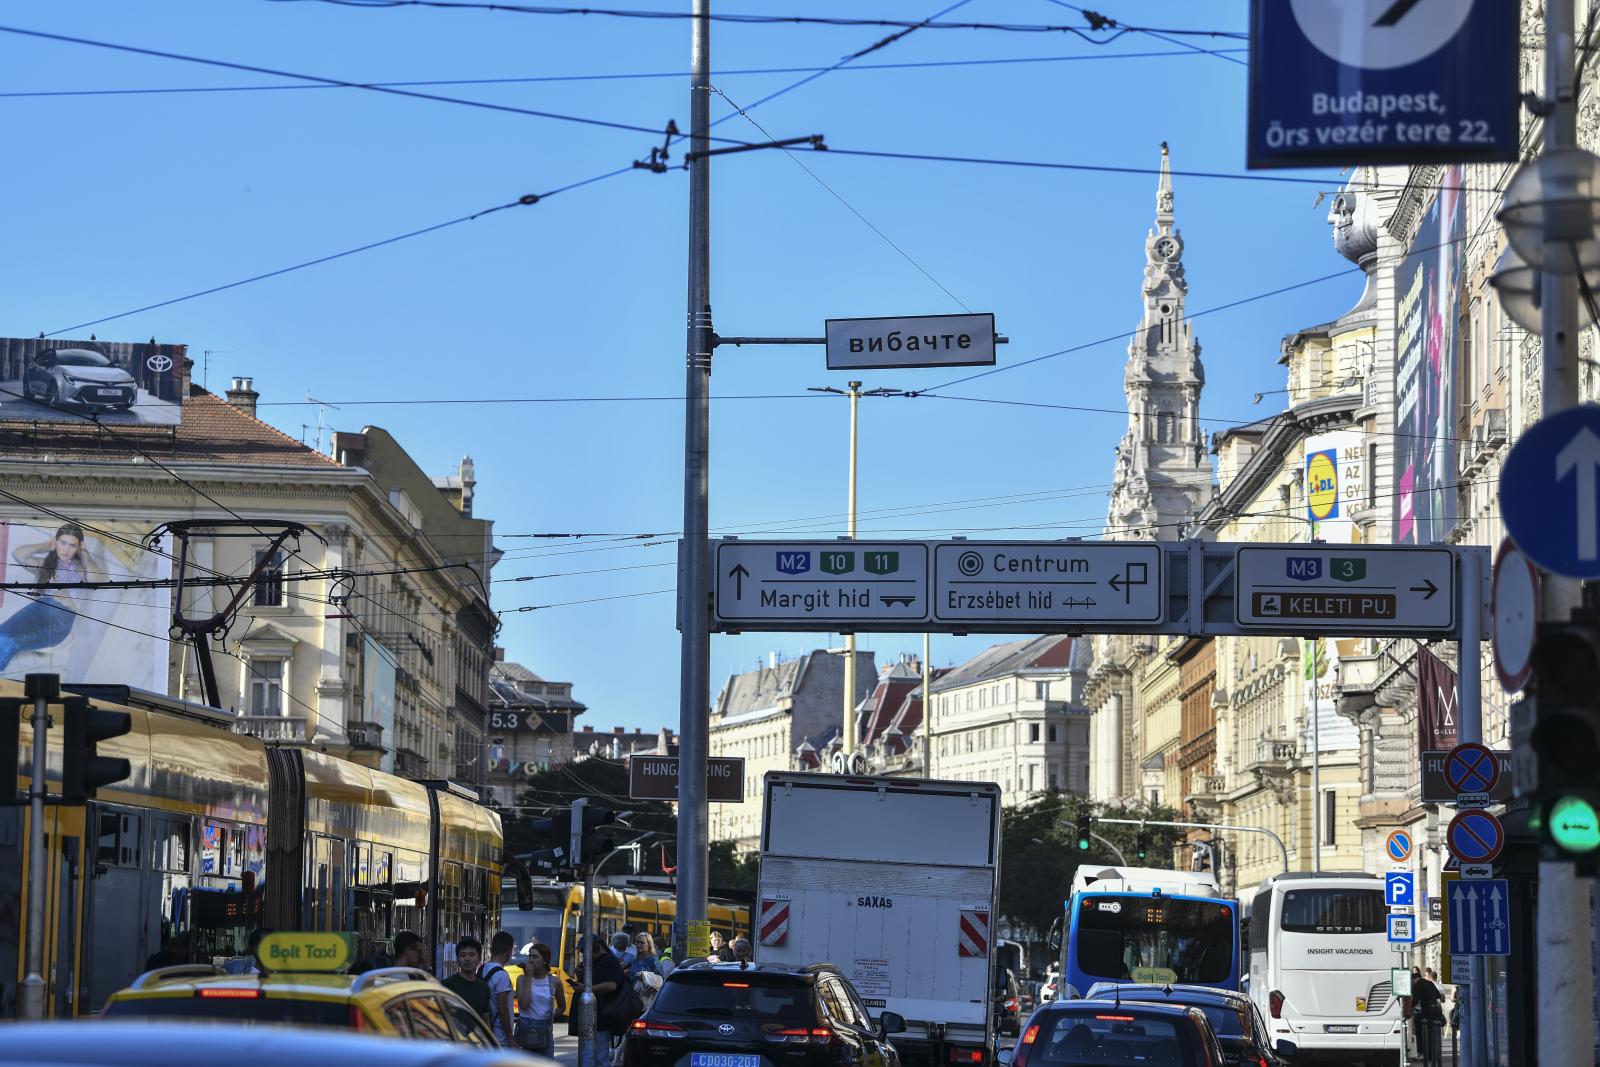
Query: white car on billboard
<point x="62" y="377"/>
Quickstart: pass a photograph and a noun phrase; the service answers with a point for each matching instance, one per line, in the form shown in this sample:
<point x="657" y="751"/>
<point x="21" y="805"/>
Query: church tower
<point x="1163" y="474"/>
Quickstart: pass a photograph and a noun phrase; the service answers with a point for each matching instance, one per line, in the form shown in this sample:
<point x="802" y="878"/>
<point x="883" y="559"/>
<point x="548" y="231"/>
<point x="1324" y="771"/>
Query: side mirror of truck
<point x="891" y="1022"/>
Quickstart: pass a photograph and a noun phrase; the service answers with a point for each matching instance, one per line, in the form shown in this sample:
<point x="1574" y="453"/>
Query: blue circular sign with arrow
<point x="1550" y="492"/>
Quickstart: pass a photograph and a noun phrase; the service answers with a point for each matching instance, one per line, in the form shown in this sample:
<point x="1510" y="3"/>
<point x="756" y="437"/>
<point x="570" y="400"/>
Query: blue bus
<point x="1131" y="924"/>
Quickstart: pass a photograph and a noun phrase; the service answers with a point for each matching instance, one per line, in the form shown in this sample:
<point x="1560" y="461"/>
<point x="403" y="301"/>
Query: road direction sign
<point x="1514" y="607"/>
<point x="1354" y="588"/>
<point x="1549" y="496"/>
<point x="1398" y="846"/>
<point x="1435" y="790"/>
<point x="1402" y="928"/>
<point x="1479" y="921"/>
<point x="831" y="585"/>
<point x="1400" y="889"/>
<point x="1029" y="582"/>
<point x="1475" y="836"/>
<point x="1381" y="81"/>
<point x="1471" y="768"/>
<point x="911" y="341"/>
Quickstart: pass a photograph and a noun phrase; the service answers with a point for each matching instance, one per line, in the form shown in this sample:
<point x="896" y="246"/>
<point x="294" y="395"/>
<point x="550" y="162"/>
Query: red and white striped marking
<point x="974" y="935"/>
<point x="774" y="925"/>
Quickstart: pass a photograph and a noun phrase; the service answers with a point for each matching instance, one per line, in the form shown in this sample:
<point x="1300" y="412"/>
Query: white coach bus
<point x="1319" y="962"/>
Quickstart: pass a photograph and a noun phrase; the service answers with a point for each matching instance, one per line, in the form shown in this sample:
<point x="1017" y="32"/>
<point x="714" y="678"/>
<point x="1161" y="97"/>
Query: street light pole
<point x="849" y="741"/>
<point x="694" y="681"/>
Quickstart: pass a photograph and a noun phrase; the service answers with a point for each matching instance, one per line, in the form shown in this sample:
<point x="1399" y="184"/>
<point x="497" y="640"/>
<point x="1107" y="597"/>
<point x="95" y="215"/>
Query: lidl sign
<point x="1322" y="485"/>
<point x="303" y="952"/>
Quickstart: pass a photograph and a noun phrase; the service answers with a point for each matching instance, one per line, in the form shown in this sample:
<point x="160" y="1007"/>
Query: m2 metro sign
<point x="1382" y="81"/>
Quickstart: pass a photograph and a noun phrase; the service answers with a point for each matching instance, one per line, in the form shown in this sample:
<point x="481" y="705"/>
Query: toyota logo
<point x="160" y="363"/>
<point x="725" y="1029"/>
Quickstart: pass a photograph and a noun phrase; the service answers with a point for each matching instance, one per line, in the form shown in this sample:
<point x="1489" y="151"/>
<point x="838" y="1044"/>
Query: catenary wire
<point x="640" y="75"/>
<point x="1160" y="36"/>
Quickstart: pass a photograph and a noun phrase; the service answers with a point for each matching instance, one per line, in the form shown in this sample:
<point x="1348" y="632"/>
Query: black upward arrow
<point x="1427" y="589"/>
<point x="738" y="574"/>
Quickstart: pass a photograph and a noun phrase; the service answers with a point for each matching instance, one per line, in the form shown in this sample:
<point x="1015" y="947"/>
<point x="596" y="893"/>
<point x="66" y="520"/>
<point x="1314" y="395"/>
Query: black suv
<point x="759" y="1015"/>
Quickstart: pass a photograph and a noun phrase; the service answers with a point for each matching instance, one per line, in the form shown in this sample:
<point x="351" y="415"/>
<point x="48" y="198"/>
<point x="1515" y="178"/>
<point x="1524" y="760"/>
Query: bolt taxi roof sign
<point x="1382" y="81"/>
<point x="302" y="952"/>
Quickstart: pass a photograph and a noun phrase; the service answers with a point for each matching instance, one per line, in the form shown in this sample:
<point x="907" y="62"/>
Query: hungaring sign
<point x="1382" y="81"/>
<point x="656" y="778"/>
<point x="911" y="341"/>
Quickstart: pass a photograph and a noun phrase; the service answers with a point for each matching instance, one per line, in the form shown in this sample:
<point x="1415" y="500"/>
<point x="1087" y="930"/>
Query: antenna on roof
<point x="322" y="406"/>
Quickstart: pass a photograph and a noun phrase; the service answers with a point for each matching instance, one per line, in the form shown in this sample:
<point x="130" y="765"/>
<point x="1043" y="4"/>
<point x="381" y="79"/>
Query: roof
<point x="516" y="672"/>
<point x="760" y="690"/>
<point x="210" y="430"/>
<point x="1052" y="652"/>
<point x="506" y="687"/>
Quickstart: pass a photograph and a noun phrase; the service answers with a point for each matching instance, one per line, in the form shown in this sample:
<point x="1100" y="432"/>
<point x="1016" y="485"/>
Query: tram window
<point x="118" y="844"/>
<point x="382" y="864"/>
<point x="213" y="842"/>
<point x="171" y="845"/>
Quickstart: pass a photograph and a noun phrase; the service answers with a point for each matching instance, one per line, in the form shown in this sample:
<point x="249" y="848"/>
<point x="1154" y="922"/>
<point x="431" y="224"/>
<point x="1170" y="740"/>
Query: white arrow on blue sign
<point x="1479" y="922"/>
<point x="1549" y="494"/>
<point x="1400" y="889"/>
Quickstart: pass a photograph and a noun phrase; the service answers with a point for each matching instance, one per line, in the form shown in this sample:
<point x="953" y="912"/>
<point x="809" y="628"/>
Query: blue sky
<point x="113" y="202"/>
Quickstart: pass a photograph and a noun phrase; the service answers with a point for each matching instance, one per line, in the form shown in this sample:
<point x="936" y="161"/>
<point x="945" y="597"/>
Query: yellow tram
<point x="215" y="833"/>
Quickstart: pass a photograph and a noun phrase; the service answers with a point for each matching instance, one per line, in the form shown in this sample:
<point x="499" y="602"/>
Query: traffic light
<point x="11" y="711"/>
<point x="553" y="832"/>
<point x="1085" y="828"/>
<point x="83" y="770"/>
<point x="1566" y="740"/>
<point x="587" y="846"/>
<point x="1142" y="846"/>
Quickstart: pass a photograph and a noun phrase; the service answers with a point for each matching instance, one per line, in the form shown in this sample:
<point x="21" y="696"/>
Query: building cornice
<point x="1281" y="435"/>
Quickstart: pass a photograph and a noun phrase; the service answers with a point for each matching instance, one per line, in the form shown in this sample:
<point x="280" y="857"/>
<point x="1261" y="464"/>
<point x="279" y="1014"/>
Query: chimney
<point x="350" y="449"/>
<point x="499" y="654"/>
<point x="184" y="379"/>
<point x="618" y="730"/>
<point x="469" y="481"/>
<point x="772" y="660"/>
<point x="244" y="396"/>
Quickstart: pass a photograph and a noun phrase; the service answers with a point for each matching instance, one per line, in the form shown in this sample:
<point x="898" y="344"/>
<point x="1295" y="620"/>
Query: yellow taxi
<point x="302" y="983"/>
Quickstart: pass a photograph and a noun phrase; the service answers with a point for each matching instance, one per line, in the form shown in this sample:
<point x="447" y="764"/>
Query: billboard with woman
<point x="58" y="617"/>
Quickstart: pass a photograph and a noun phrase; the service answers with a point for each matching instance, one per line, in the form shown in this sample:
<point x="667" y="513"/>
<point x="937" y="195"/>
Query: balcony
<point x="1270" y="766"/>
<point x="364" y="734"/>
<point x="272" y="727"/>
<point x="409" y="764"/>
<point x="1272" y="753"/>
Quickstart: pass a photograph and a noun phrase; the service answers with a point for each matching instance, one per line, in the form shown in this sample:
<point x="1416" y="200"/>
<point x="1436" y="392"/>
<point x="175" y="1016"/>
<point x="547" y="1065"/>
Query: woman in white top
<point x="540" y="999"/>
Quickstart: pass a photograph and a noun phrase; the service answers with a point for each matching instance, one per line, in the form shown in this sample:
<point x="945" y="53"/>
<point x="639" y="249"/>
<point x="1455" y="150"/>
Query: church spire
<point x="1164" y="215"/>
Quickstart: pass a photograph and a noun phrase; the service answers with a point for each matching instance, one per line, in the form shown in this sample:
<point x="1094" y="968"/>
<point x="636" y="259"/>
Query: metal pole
<point x="1565" y="965"/>
<point x="42" y="689"/>
<point x="694" y="722"/>
<point x="1283" y="850"/>
<point x="586" y="1012"/>
<point x="1316" y="761"/>
<point x="1120" y="857"/>
<point x="848" y="744"/>
<point x="1469" y="692"/>
<point x="927" y="706"/>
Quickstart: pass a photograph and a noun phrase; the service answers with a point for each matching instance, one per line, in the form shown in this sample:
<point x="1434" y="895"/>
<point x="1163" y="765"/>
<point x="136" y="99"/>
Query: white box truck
<point x="894" y="881"/>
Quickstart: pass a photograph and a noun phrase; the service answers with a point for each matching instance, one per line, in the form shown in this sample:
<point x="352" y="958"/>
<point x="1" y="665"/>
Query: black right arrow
<point x="1427" y="588"/>
<point x="738" y="574"/>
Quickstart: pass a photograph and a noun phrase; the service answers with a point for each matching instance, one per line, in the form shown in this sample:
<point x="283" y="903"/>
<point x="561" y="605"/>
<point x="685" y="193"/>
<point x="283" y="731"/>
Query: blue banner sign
<point x="1382" y="81"/>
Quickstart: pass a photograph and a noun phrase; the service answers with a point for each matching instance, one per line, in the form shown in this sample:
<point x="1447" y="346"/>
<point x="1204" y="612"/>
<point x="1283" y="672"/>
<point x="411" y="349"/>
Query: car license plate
<point x="723" y="1059"/>
<point x="108" y="392"/>
<point x="1340" y="1028"/>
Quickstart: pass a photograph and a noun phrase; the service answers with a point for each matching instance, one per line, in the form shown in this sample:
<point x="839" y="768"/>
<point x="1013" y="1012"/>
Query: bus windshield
<point x="1140" y="938"/>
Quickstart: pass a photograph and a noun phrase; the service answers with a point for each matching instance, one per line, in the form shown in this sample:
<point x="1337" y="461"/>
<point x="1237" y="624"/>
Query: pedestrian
<point x="644" y="958"/>
<point x="540" y="999"/>
<point x="718" y="947"/>
<point x="466" y="983"/>
<point x="494" y="973"/>
<point x="1428" y="1001"/>
<point x="171" y="954"/>
<point x="666" y="962"/>
<point x="609" y="983"/>
<point x="622" y="948"/>
<point x="250" y="962"/>
<point x="408" y="951"/>
<point x="742" y="950"/>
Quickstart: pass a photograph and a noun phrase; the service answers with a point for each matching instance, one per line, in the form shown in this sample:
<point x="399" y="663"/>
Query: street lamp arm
<point x="1211" y="826"/>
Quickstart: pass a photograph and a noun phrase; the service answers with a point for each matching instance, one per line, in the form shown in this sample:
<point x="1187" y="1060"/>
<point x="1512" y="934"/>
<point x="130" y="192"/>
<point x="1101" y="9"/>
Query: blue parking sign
<point x="1400" y="889"/>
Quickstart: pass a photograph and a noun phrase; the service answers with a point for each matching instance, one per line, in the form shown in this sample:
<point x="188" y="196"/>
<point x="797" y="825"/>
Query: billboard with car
<point x="46" y="379"/>
<point x="58" y="615"/>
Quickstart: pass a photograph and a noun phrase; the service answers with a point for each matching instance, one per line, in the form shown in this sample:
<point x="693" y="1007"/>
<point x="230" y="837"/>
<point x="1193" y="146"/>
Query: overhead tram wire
<point x="539" y="79"/>
<point x="1084" y="32"/>
<point x="1157" y="34"/>
<point x="337" y="82"/>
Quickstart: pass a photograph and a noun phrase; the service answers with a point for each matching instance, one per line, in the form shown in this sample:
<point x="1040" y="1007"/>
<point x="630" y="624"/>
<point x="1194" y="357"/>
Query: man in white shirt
<point x="501" y="1019"/>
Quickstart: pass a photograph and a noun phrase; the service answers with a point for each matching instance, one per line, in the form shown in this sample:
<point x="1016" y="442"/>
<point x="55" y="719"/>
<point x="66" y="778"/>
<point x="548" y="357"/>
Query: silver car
<point x="79" y="376"/>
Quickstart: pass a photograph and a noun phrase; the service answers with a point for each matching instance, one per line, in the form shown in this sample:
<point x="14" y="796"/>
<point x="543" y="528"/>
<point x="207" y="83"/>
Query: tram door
<point x="63" y="910"/>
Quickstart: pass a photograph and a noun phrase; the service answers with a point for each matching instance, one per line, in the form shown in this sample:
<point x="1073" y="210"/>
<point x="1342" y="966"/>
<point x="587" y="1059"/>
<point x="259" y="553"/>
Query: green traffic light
<point x="1574" y="825"/>
<point x="1083" y="844"/>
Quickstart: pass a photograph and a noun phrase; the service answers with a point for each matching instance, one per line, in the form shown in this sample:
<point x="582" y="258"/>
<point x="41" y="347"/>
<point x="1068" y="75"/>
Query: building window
<point x="969" y="700"/>
<point x="1032" y="781"/>
<point x="269" y="583"/>
<point x="266" y="686"/>
<point x="1053" y="783"/>
<point x="1033" y="731"/>
<point x="1041" y="690"/>
<point x="1052" y="731"/>
<point x="1330" y="809"/>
